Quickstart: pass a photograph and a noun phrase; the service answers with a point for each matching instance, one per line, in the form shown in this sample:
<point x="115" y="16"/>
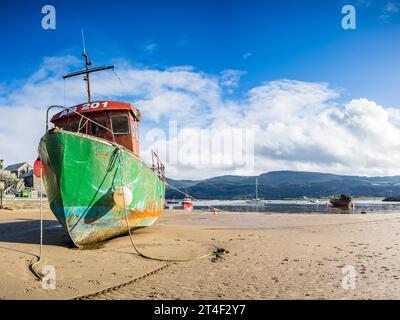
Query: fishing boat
<point x="97" y="185"/>
<point x="187" y="203"/>
<point x="341" y="201"/>
<point x="256" y="200"/>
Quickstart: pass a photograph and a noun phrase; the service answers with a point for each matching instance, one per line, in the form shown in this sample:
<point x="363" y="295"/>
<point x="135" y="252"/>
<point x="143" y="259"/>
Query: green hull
<point x="81" y="175"/>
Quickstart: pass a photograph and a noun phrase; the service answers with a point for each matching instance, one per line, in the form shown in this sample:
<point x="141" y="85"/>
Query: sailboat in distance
<point x="256" y="200"/>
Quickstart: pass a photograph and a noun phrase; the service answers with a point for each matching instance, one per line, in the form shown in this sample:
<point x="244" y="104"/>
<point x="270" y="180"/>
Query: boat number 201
<point x="86" y="106"/>
<point x="94" y="105"/>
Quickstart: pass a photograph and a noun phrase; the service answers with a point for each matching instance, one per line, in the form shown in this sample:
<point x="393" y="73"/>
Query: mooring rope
<point x="217" y="251"/>
<point x="38" y="274"/>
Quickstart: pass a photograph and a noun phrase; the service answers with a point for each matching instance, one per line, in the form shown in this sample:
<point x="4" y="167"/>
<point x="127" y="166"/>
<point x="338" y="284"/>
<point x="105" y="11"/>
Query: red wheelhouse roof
<point x="94" y="106"/>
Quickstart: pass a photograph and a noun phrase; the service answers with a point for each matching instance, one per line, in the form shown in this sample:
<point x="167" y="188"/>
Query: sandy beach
<point x="271" y="256"/>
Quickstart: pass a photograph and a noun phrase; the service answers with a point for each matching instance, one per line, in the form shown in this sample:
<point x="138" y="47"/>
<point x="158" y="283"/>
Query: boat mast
<point x="86" y="72"/>
<point x="87" y="64"/>
<point x="87" y="76"/>
<point x="256" y="188"/>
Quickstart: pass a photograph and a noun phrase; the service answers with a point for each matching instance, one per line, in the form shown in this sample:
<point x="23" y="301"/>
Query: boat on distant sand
<point x="341" y="201"/>
<point x="256" y="200"/>
<point x="96" y="183"/>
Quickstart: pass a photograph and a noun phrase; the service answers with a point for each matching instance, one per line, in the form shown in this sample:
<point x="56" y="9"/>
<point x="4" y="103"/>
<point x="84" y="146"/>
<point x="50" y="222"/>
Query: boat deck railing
<point x="157" y="165"/>
<point x="82" y="117"/>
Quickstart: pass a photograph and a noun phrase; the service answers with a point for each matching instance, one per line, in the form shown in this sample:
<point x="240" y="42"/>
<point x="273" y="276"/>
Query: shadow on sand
<point x="28" y="231"/>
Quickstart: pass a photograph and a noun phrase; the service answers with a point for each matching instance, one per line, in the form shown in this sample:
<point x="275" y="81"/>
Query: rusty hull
<point x="82" y="174"/>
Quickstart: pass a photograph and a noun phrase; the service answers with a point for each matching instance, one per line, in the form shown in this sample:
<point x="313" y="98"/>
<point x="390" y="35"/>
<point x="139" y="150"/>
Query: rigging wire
<point x="118" y="77"/>
<point x="190" y="196"/>
<point x="64" y="91"/>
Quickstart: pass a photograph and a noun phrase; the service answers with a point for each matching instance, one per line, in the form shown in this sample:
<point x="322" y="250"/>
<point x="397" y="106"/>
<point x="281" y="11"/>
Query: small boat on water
<point x="256" y="201"/>
<point x="187" y="203"/>
<point x="341" y="201"/>
<point x="96" y="183"/>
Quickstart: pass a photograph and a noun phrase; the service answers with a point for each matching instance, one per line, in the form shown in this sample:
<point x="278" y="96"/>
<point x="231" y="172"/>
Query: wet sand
<point x="271" y="256"/>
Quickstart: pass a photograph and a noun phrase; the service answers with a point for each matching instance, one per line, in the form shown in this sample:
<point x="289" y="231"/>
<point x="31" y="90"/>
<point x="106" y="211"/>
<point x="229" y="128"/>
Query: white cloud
<point x="364" y="3"/>
<point x="298" y="125"/>
<point x="150" y="47"/>
<point x="389" y="9"/>
<point x="20" y="130"/>
<point x="246" y="55"/>
<point x="384" y="8"/>
<point x="230" y="78"/>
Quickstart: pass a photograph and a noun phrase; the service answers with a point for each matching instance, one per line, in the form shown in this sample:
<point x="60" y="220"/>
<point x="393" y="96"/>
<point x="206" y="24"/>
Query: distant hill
<point x="286" y="184"/>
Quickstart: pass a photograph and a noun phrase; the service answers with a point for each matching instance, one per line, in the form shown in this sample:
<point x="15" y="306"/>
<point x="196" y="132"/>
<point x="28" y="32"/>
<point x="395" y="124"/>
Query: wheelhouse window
<point x="120" y="124"/>
<point x="79" y="126"/>
<point x="97" y="126"/>
<point x="62" y="125"/>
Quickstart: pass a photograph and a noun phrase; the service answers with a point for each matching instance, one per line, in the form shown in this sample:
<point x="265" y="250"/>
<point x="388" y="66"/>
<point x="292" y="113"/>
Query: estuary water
<point x="299" y="206"/>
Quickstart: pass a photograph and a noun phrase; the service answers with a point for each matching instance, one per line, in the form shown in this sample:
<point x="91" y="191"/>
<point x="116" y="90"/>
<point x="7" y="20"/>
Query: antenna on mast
<point x="83" y="41"/>
<point x="86" y="72"/>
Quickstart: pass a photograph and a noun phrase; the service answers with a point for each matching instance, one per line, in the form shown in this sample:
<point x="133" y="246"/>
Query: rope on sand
<point x="216" y="252"/>
<point x="118" y="286"/>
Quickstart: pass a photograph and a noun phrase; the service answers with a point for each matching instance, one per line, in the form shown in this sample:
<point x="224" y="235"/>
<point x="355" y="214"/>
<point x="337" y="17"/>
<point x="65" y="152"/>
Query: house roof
<point x="27" y="174"/>
<point x="14" y="167"/>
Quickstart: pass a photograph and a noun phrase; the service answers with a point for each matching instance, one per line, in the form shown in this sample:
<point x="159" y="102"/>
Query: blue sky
<point x="268" y="39"/>
<point x="253" y="58"/>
